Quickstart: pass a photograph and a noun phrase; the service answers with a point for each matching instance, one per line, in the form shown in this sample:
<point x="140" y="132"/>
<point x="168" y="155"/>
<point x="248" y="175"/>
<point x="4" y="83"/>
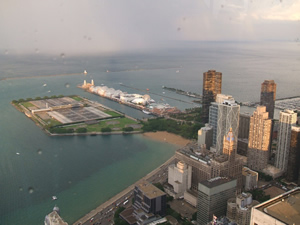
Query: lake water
<point x="84" y="172"/>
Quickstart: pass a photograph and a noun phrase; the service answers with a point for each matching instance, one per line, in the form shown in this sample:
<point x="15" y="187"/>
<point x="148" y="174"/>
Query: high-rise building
<point x="244" y="124"/>
<point x="287" y="119"/>
<point x="149" y="204"/>
<point x="212" y="85"/>
<point x="205" y="136"/>
<point x="268" y="96"/>
<point x="213" y="195"/>
<point x="239" y="208"/>
<point x="179" y="176"/>
<point x="207" y="165"/>
<point x="294" y="156"/>
<point x="229" y="150"/>
<point x="259" y="139"/>
<point x="281" y="210"/>
<point x="228" y="118"/>
<point x="213" y="113"/>
<point x="149" y="198"/>
<point x="242" y="144"/>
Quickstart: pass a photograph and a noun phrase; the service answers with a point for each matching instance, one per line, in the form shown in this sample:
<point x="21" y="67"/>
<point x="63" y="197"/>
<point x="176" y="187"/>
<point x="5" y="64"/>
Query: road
<point x="104" y="213"/>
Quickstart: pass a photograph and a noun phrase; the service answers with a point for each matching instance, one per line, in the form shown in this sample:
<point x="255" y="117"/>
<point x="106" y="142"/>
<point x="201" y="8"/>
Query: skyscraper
<point x="268" y="96"/>
<point x="213" y="195"/>
<point x="294" y="156"/>
<point x="228" y="118"/>
<point x="212" y="85"/>
<point x="259" y="139"/>
<point x="213" y="114"/>
<point x="234" y="166"/>
<point x="287" y="119"/>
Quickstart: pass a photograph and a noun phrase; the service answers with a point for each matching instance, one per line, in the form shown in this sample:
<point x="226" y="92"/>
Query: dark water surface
<point x="83" y="172"/>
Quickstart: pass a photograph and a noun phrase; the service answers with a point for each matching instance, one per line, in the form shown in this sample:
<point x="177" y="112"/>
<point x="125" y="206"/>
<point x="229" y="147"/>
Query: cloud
<point x="75" y="27"/>
<point x="285" y="10"/>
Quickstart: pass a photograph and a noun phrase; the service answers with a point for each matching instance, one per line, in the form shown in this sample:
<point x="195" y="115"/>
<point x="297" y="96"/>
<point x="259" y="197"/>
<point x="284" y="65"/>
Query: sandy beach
<point x="167" y="137"/>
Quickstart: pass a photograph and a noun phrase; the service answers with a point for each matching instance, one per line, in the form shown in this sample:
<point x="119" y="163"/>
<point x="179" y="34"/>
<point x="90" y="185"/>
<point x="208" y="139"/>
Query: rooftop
<point x="216" y="181"/>
<point x="285" y="207"/>
<point x="246" y="171"/>
<point x="150" y="190"/>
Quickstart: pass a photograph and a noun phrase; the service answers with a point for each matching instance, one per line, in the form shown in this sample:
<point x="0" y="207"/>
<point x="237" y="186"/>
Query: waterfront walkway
<point x="123" y="193"/>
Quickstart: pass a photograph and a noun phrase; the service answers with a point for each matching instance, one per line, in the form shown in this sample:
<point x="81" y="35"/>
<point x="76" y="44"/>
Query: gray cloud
<point x="75" y="27"/>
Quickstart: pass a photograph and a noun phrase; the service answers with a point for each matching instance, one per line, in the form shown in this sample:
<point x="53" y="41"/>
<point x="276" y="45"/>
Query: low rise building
<point x="281" y="210"/>
<point x="239" y="208"/>
<point x="250" y="179"/>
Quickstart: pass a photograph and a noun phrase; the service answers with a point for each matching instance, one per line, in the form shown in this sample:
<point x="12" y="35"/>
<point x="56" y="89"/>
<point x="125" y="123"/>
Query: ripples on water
<point x="85" y="171"/>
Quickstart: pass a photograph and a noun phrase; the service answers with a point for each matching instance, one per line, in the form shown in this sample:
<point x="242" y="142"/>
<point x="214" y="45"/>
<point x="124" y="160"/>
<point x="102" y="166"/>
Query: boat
<point x="54" y="197"/>
<point x="44" y="85"/>
<point x="146" y="112"/>
<point x="85" y="72"/>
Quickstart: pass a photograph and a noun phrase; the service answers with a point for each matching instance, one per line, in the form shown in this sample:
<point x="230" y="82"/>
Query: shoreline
<point x="164" y="136"/>
<point x="123" y="193"/>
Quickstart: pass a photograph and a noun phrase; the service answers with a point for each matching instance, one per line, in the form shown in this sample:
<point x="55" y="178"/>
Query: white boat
<point x="44" y="85"/>
<point x="146" y="112"/>
<point x="54" y="197"/>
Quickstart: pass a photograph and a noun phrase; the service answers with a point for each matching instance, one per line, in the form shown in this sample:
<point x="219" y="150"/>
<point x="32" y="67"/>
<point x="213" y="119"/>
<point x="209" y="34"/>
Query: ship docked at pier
<point x="141" y="102"/>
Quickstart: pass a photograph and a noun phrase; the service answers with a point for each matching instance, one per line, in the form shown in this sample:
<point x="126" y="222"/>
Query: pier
<point x="146" y="91"/>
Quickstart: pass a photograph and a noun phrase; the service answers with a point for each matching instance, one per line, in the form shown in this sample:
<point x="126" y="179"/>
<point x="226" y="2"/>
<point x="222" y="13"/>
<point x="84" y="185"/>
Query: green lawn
<point x="27" y="104"/>
<point x="52" y="122"/>
<point x="122" y="122"/>
<point x="77" y="98"/>
<point x="112" y="113"/>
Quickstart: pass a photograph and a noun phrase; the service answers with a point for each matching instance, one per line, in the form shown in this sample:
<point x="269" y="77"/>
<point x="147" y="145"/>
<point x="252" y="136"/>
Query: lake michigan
<point x="85" y="171"/>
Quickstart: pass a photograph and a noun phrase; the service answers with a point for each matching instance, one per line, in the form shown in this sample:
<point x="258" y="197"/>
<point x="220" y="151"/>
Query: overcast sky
<point x="53" y="26"/>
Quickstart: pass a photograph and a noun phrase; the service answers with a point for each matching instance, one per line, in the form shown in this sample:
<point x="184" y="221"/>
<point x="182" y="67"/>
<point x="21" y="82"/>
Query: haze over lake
<point x="83" y="172"/>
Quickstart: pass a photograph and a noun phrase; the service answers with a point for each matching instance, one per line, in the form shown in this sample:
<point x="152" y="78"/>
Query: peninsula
<point x="75" y="115"/>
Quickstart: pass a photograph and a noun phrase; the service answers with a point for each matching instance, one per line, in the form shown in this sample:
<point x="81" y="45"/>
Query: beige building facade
<point x="259" y="139"/>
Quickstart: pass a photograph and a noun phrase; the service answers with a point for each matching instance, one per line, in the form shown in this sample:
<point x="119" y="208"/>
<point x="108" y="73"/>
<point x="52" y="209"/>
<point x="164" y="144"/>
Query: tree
<point x="128" y="129"/>
<point x="194" y="216"/>
<point x="106" y="129"/>
<point x="81" y="130"/>
<point x="117" y="219"/>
